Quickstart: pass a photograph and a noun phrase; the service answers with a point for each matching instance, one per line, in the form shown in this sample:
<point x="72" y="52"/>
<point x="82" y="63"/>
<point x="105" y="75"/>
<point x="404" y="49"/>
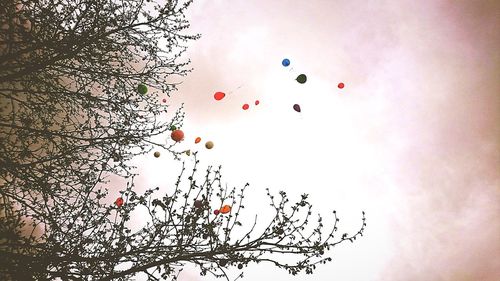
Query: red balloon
<point x="257" y="102"/>
<point x="164" y="100"/>
<point x="119" y="201"/>
<point x="341" y="85"/>
<point x="177" y="135"/>
<point x="245" y="106"/>
<point x="219" y="95"/>
<point x="296" y="107"/>
<point x="216" y="212"/>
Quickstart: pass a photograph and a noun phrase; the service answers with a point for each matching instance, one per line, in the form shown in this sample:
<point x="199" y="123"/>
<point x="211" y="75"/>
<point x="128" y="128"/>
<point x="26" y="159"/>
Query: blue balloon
<point x="285" y="62"/>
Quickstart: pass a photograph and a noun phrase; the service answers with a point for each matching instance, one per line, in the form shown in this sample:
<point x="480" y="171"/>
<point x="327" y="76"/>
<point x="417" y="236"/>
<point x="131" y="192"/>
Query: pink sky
<point x="413" y="139"/>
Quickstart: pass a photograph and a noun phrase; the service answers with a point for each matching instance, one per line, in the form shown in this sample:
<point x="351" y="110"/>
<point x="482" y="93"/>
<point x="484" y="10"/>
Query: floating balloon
<point x="216" y="212"/>
<point x="257" y="102"/>
<point x="225" y="209"/>
<point x="142" y="89"/>
<point x="119" y="201"/>
<point x="245" y="106"/>
<point x="209" y="145"/>
<point x="197" y="140"/>
<point x="164" y="100"/>
<point x="341" y="85"/>
<point x="177" y="135"/>
<point x="296" y="107"/>
<point x="198" y="204"/>
<point x="285" y="62"/>
<point x="157" y="154"/>
<point x="302" y="78"/>
<point x="219" y="95"/>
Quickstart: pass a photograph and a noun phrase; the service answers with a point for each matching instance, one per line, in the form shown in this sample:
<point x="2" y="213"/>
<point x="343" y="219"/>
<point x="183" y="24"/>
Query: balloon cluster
<point x="222" y="210"/>
<point x="302" y="78"/>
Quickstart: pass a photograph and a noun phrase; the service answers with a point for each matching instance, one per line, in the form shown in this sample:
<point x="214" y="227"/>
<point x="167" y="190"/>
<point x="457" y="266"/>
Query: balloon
<point x="302" y="78"/>
<point x="216" y="212"/>
<point x="119" y="201"/>
<point x="285" y="62"/>
<point x="225" y="209"/>
<point x="197" y="140"/>
<point x="209" y="144"/>
<point x="164" y="100"/>
<point x="198" y="203"/>
<point x="177" y="135"/>
<point x="240" y="266"/>
<point x="257" y="102"/>
<point x="245" y="106"/>
<point x="341" y="85"/>
<point x="157" y="154"/>
<point x="142" y="89"/>
<point x="296" y="107"/>
<point x="219" y="95"/>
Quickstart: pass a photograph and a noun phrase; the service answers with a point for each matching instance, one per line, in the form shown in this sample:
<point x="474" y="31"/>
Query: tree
<point x="71" y="114"/>
<point x="69" y="109"/>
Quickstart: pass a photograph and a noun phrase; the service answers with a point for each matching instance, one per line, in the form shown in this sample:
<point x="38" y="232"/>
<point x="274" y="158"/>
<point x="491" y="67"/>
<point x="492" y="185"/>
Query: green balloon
<point x="142" y="89"/>
<point x="302" y="78"/>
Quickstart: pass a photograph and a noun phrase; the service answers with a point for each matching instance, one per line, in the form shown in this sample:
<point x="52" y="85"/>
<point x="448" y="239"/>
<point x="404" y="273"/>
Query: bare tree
<point x="71" y="115"/>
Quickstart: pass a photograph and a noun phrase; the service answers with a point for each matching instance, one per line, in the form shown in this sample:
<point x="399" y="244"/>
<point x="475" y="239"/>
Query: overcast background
<point x="413" y="139"/>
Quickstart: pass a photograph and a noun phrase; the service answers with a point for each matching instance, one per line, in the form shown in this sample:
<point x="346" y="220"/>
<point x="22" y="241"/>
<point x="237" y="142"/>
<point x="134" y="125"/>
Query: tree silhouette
<point x="89" y="240"/>
<point x="71" y="115"/>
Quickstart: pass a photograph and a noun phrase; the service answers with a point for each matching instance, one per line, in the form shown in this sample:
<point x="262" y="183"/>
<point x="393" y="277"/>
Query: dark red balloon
<point x="296" y="107"/>
<point x="198" y="203"/>
<point x="219" y="95"/>
<point x="245" y="106"/>
<point x="257" y="102"/>
<point x="341" y="85"/>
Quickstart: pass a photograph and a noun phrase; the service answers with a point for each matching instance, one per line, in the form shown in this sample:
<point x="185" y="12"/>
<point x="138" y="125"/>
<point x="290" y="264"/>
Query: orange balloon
<point x="197" y="140"/>
<point x="177" y="135"/>
<point x="225" y="209"/>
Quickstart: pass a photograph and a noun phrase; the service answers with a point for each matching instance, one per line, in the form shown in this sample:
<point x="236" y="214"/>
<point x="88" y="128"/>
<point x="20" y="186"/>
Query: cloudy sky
<point x="413" y="138"/>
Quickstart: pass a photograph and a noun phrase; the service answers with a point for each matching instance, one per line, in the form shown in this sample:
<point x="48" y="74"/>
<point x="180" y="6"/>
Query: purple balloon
<point x="296" y="107"/>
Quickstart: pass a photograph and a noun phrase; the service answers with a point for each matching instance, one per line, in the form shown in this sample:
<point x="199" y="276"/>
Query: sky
<point x="413" y="138"/>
